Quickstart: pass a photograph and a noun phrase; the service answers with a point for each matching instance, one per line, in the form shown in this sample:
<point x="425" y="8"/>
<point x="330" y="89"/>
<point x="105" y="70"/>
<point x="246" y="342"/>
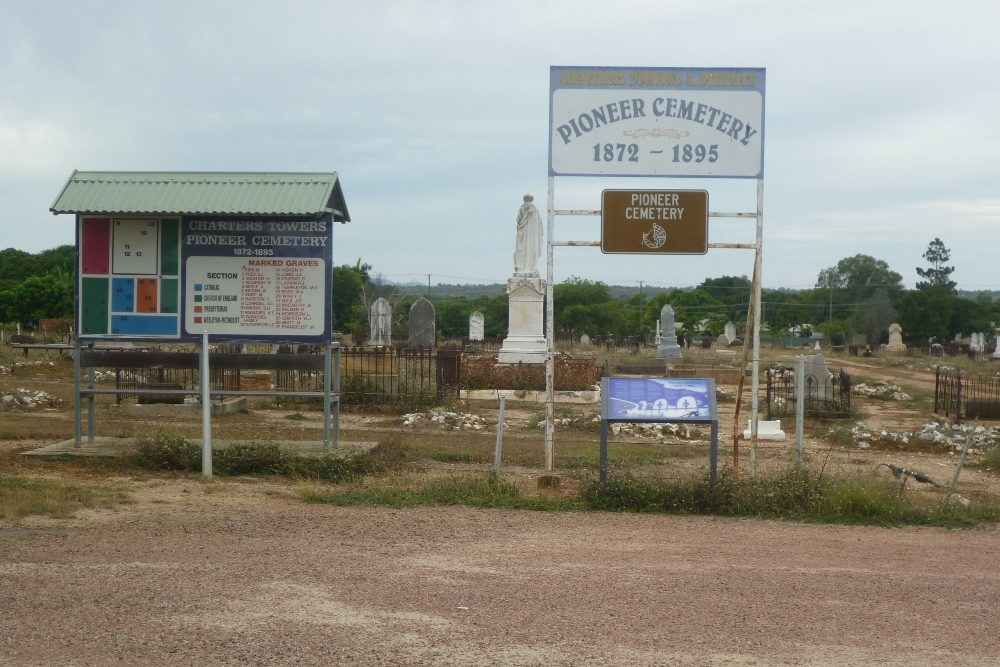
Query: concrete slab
<point x="104" y="446"/>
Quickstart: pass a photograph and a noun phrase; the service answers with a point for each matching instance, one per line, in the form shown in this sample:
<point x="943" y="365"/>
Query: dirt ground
<point x="242" y="572"/>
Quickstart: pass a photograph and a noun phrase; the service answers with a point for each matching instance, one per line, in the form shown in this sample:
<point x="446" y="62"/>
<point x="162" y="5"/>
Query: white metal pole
<point x="498" y="452"/>
<point x="206" y="411"/>
<point x="755" y="365"/>
<point x="549" y="336"/>
<point x="800" y="406"/>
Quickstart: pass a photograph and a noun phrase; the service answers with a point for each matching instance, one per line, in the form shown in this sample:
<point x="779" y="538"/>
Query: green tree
<point x="938" y="275"/>
<point x="855" y="279"/>
<point x="926" y="313"/>
<point x="346" y="297"/>
<point x="37" y="298"/>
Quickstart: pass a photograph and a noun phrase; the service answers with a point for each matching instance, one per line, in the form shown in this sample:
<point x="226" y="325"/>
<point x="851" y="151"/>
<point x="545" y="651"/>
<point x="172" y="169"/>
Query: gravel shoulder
<point x="244" y="573"/>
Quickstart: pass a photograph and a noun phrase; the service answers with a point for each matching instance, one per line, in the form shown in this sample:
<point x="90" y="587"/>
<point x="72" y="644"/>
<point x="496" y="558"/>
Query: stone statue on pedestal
<point x="525" y="341"/>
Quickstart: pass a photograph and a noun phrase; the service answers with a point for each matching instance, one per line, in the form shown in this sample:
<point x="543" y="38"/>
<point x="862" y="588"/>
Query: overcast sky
<point x="880" y="121"/>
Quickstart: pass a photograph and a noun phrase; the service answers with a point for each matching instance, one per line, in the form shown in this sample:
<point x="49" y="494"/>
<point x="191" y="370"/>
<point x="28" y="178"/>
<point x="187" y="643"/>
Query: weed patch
<point x="793" y="494"/>
<point x="174" y="453"/>
<point x="21" y="497"/>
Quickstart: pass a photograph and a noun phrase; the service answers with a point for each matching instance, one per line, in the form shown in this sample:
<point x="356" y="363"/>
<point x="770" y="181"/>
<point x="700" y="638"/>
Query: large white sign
<point x="656" y="122"/>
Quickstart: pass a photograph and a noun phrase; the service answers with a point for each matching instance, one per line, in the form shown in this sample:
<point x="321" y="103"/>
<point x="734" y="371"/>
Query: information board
<point x="659" y="399"/>
<point x="664" y="222"/>
<point x="178" y="277"/>
<point x="640" y="121"/>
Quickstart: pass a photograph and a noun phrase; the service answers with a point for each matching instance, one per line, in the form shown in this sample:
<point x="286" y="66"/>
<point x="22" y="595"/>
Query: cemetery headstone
<point x="817" y="377"/>
<point x="477" y="326"/>
<point x="896" y="344"/>
<point x="668" y="347"/>
<point x="722" y="340"/>
<point x="380" y="323"/>
<point x="585" y="340"/>
<point x="422" y="327"/>
<point x="730" y="331"/>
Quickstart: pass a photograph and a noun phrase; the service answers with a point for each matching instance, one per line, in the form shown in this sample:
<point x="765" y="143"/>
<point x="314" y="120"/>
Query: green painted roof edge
<point x="192" y="193"/>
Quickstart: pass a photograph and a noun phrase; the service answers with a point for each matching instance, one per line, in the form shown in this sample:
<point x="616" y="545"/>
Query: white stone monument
<point x="477" y="326"/>
<point x="525" y="341"/>
<point x="668" y="347"/>
<point x="380" y="323"/>
<point x="730" y="331"/>
<point x="896" y="344"/>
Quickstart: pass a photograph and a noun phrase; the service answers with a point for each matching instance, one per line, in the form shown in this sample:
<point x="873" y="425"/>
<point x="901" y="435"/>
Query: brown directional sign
<point x="665" y="222"/>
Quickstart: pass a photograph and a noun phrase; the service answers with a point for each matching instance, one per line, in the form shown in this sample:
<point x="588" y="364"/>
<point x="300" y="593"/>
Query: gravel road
<point x="242" y="573"/>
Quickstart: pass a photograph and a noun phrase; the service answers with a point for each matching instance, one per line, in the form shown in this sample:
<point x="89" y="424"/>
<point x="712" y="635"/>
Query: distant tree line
<point x="860" y="294"/>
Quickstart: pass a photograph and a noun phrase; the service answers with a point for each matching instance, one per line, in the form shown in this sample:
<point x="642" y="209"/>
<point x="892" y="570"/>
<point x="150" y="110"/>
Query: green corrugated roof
<point x="202" y="193"/>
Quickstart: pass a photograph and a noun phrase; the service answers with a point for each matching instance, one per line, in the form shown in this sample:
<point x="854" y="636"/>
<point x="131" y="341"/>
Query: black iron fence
<point x="966" y="396"/>
<point x="390" y="375"/>
<point x="825" y="397"/>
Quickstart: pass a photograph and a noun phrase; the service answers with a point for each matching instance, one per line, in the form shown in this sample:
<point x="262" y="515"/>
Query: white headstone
<point x="817" y="377"/>
<point x="477" y="326"/>
<point x="895" y="339"/>
<point x="730" y="331"/>
<point x="584" y="339"/>
<point x="380" y="323"/>
<point x="668" y="347"/>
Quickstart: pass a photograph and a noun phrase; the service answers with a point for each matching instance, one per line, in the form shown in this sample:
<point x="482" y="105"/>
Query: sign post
<point x="655" y="122"/>
<point x="659" y="400"/>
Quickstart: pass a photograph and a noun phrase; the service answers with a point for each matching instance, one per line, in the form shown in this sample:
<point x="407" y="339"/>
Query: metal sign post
<point x="659" y="400"/>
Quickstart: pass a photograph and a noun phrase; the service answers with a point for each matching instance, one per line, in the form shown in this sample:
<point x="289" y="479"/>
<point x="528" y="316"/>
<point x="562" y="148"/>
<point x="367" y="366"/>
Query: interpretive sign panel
<point x="639" y="121"/>
<point x="667" y="222"/>
<point x="659" y="399"/>
<point x="182" y="276"/>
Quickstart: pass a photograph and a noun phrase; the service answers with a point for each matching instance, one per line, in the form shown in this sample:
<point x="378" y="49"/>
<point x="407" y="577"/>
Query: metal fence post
<point x="498" y="453"/>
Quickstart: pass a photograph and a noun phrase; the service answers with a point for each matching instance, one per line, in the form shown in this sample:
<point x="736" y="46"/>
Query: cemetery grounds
<point x="168" y="568"/>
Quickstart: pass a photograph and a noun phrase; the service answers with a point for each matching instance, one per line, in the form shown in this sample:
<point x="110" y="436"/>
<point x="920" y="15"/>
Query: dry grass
<point x="20" y="497"/>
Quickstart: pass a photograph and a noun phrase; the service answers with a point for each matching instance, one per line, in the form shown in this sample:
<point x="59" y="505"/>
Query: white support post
<point x="755" y="364"/>
<point x="550" y="343"/>
<point x="206" y="411"/>
<point x="800" y="406"/>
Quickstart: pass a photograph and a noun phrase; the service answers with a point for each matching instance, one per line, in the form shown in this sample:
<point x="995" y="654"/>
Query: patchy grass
<point x="21" y="497"/>
<point x="475" y="490"/>
<point x="790" y="494"/>
<point x="175" y="453"/>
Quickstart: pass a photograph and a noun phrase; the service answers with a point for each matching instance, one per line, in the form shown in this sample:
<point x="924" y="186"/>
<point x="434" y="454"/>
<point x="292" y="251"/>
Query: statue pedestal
<point x="525" y="341"/>
<point x="667" y="350"/>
